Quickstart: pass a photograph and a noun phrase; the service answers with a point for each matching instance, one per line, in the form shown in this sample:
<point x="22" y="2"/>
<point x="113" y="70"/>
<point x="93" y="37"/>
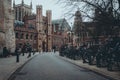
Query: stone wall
<point x="2" y="42"/>
<point x="8" y="26"/>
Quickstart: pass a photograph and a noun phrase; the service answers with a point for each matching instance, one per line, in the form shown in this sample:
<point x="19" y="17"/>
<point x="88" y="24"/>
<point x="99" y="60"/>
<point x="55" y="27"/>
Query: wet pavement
<point x="50" y="67"/>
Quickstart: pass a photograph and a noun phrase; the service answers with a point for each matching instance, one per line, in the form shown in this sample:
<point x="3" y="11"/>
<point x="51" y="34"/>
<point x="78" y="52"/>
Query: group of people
<point x="107" y="54"/>
<point x="19" y="50"/>
<point x="23" y="50"/>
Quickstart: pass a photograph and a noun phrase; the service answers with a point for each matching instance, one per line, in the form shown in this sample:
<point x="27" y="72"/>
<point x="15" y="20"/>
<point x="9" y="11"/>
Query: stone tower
<point x="7" y="25"/>
<point x="49" y="27"/>
<point x="77" y="23"/>
<point x="2" y="33"/>
<point x="39" y="20"/>
<point x="78" y="28"/>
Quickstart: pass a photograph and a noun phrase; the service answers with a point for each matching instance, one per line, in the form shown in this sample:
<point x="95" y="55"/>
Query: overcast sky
<point x="57" y="9"/>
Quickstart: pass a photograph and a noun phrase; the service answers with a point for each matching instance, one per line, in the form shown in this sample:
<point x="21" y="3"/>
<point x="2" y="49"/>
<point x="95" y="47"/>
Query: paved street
<point x="8" y="65"/>
<point x="51" y="67"/>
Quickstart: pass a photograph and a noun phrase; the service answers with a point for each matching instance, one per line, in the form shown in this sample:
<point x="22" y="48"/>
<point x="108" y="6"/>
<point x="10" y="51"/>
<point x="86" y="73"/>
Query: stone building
<point x="44" y="29"/>
<point x="60" y="31"/>
<point x="84" y="32"/>
<point x="21" y="10"/>
<point x="79" y="29"/>
<point x="33" y="29"/>
<point x="6" y="26"/>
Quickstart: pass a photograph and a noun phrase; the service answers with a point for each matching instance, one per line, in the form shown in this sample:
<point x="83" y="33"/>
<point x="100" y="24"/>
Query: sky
<point x="57" y="9"/>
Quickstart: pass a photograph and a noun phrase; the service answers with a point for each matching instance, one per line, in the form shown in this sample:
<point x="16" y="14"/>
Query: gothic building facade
<point x="21" y="10"/>
<point x="79" y="29"/>
<point x="83" y="31"/>
<point x="60" y="29"/>
<point x="33" y="29"/>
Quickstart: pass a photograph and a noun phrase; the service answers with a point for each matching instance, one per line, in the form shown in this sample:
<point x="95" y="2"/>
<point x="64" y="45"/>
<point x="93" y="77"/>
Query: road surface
<point x="51" y="67"/>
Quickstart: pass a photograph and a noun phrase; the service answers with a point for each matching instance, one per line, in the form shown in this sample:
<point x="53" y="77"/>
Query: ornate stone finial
<point x="31" y="4"/>
<point x="13" y="3"/>
<point x="22" y="2"/>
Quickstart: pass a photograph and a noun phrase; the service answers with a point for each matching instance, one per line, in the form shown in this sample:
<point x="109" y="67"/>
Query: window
<point x="39" y="46"/>
<point x="21" y="37"/>
<point x="26" y="36"/>
<point x="35" y="37"/>
<point x="16" y="35"/>
<point x="31" y="37"/>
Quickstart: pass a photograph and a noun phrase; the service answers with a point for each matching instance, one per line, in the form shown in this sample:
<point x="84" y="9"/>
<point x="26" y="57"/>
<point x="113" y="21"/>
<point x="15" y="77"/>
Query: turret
<point x="39" y="17"/>
<point x="22" y="2"/>
<point x="49" y="15"/>
<point x="49" y="22"/>
<point x="31" y="4"/>
<point x="13" y="3"/>
<point x="39" y="24"/>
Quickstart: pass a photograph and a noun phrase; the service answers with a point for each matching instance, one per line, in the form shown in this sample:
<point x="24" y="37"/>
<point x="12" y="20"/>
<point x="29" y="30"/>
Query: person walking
<point x="29" y="51"/>
<point x="54" y="48"/>
<point x="23" y="50"/>
<point x="17" y="54"/>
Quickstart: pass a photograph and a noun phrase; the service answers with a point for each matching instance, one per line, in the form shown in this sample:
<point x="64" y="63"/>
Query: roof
<point x="31" y="17"/>
<point x="25" y="5"/>
<point x="18" y="23"/>
<point x="62" y="23"/>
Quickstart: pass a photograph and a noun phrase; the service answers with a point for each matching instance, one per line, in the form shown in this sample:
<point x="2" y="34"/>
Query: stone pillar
<point x="39" y="24"/>
<point x="49" y="29"/>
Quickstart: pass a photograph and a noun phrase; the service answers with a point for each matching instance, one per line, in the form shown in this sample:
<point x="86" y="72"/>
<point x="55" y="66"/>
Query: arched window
<point x="26" y="36"/>
<point x="35" y="37"/>
<point x="16" y="35"/>
<point x="31" y="36"/>
<point x="22" y="36"/>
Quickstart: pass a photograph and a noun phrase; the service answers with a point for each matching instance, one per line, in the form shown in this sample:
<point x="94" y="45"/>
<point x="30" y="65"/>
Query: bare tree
<point x="107" y="13"/>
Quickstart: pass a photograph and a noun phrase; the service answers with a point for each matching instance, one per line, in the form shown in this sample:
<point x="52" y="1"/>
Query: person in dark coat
<point x="5" y="52"/>
<point x="17" y="54"/>
<point x="29" y="51"/>
<point x="54" y="48"/>
<point x="23" y="49"/>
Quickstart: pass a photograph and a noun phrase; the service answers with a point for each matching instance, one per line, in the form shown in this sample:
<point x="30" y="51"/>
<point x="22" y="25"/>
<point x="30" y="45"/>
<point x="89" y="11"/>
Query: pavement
<point x="113" y="75"/>
<point x="9" y="65"/>
<point x="50" y="67"/>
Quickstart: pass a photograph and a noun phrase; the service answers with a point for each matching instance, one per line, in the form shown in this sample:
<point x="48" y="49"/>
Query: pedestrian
<point x="54" y="48"/>
<point x="23" y="50"/>
<point x="17" y="54"/>
<point x="29" y="51"/>
<point x="33" y="51"/>
<point x="5" y="52"/>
